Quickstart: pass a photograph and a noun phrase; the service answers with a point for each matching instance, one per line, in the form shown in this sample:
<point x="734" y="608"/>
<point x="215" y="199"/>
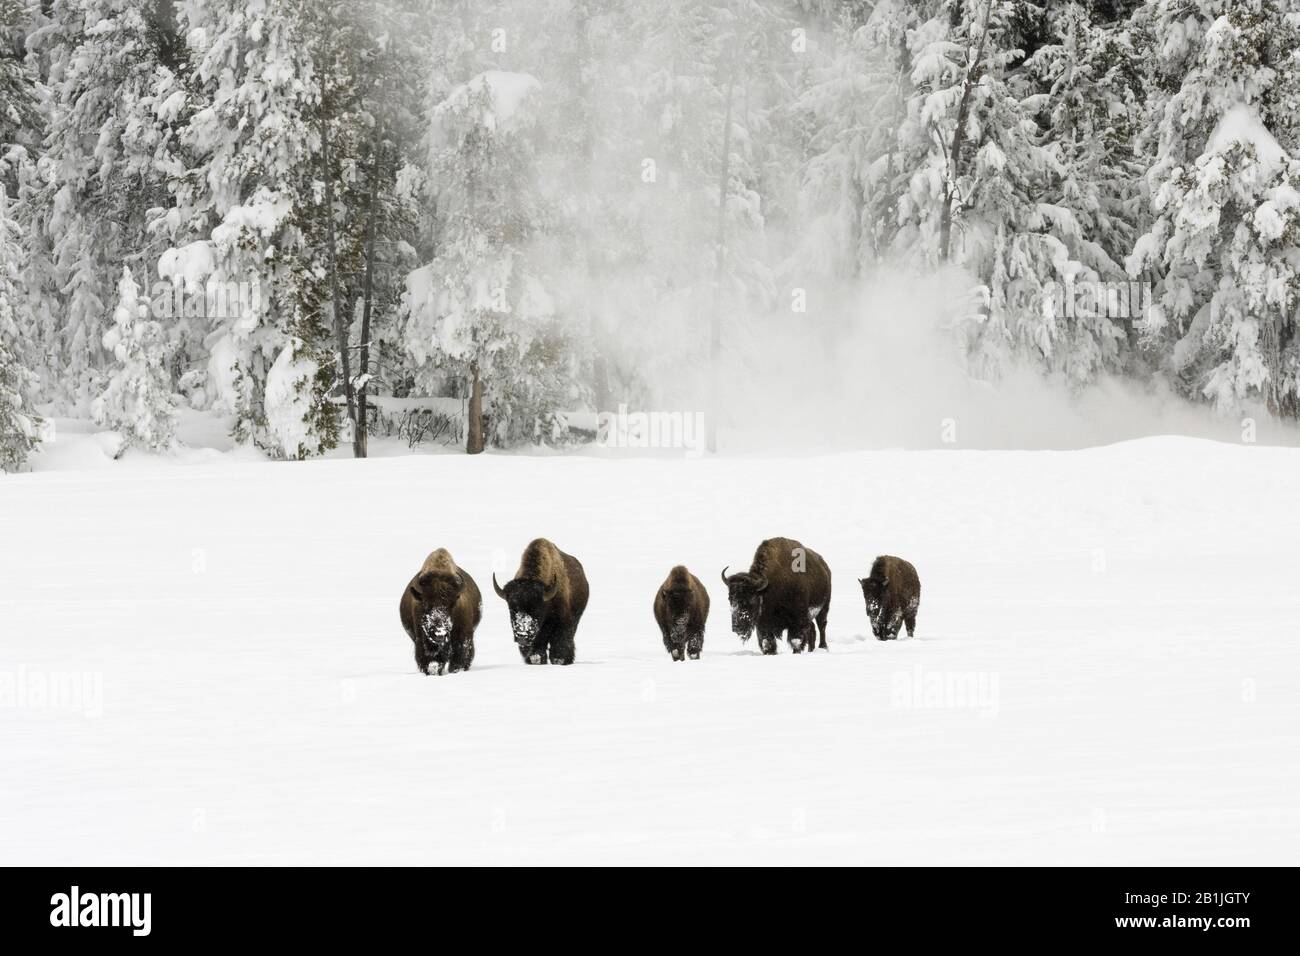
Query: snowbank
<point x="1103" y="671"/>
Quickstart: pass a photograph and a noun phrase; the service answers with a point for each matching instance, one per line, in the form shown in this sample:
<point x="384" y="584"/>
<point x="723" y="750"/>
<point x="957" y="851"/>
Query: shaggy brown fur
<point x="546" y="599"/>
<point x="786" y="590"/>
<point x="893" y="594"/>
<point x="440" y="611"/>
<point x="681" y="608"/>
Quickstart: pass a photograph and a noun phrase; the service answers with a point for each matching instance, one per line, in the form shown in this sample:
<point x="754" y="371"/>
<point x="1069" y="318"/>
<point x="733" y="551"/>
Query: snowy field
<point x="1105" y="668"/>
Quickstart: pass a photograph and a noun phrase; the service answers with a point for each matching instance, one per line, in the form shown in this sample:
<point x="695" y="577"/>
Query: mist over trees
<point x="546" y="206"/>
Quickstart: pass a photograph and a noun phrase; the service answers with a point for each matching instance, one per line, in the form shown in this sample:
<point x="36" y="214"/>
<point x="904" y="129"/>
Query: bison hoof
<point x="536" y="659"/>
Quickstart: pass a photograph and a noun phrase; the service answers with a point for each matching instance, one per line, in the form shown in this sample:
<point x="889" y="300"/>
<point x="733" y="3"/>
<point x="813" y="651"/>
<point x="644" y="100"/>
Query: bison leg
<point x="805" y="638"/>
<point x="462" y="656"/>
<point x="672" y="645"/>
<point x="767" y="642"/>
<point x="909" y="617"/>
<point x="694" y="644"/>
<point x="533" y="655"/>
<point x="562" y="647"/>
<point x="895" y="625"/>
<point x="821" y="627"/>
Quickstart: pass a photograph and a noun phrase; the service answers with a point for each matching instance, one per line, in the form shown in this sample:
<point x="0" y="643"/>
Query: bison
<point x="893" y="593"/>
<point x="786" y="590"/>
<point x="440" y="610"/>
<point x="681" y="608"/>
<point x="546" y="599"/>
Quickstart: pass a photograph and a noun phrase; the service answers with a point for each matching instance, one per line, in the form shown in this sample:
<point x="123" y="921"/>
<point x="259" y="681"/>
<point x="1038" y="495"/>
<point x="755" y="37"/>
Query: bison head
<point x="435" y="597"/>
<point x="528" y="600"/>
<point x="873" y="594"/>
<point x="677" y="601"/>
<point x="745" y="592"/>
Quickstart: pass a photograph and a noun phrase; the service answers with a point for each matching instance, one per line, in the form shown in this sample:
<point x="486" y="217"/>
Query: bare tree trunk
<point x="361" y="438"/>
<point x="581" y="80"/>
<point x="720" y="243"/>
<point x="959" y="139"/>
<point x="474" y="425"/>
<point x="340" y="325"/>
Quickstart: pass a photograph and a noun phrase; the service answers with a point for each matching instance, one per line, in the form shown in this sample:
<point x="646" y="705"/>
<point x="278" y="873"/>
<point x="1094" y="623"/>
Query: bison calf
<point x="893" y="594"/>
<point x="681" y="608"/>
<point x="546" y="599"/>
<point x="440" y="610"/>
<point x="786" y="590"/>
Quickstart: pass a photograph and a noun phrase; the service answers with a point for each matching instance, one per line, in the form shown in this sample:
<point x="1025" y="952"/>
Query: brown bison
<point x="440" y="610"/>
<point x="893" y="594"/>
<point x="786" y="590"/>
<point x="681" y="608"/>
<point x="546" y="601"/>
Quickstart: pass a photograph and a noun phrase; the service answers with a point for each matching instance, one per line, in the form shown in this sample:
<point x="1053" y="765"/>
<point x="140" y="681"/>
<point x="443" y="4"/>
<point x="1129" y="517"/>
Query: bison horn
<point x="500" y="593"/>
<point x="724" y="575"/>
<point x="761" y="586"/>
<point x="551" y="591"/>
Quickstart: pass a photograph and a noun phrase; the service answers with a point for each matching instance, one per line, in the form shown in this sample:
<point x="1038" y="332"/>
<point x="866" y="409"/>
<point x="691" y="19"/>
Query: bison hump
<point x="440" y="562"/>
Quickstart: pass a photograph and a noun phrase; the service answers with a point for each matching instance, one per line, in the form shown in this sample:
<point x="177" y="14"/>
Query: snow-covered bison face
<point x="677" y="601"/>
<point x="435" y="597"/>
<point x="873" y="595"/>
<point x="745" y="592"/>
<point x="528" y="600"/>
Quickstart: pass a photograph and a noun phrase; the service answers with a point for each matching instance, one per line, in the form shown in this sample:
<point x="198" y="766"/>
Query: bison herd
<point x="785" y="593"/>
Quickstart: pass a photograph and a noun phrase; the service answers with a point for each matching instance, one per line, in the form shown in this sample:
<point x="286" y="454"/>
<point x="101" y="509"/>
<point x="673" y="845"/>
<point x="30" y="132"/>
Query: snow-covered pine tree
<point x="369" y="56"/>
<point x="19" y="117"/>
<point x="481" y="309"/>
<point x="982" y="175"/>
<point x="19" y="425"/>
<point x="853" y="106"/>
<point x="252" y="192"/>
<point x="22" y="131"/>
<point x="1225" y="196"/>
<point x="1093" y="107"/>
<point x="103" y="177"/>
<point x="137" y="402"/>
